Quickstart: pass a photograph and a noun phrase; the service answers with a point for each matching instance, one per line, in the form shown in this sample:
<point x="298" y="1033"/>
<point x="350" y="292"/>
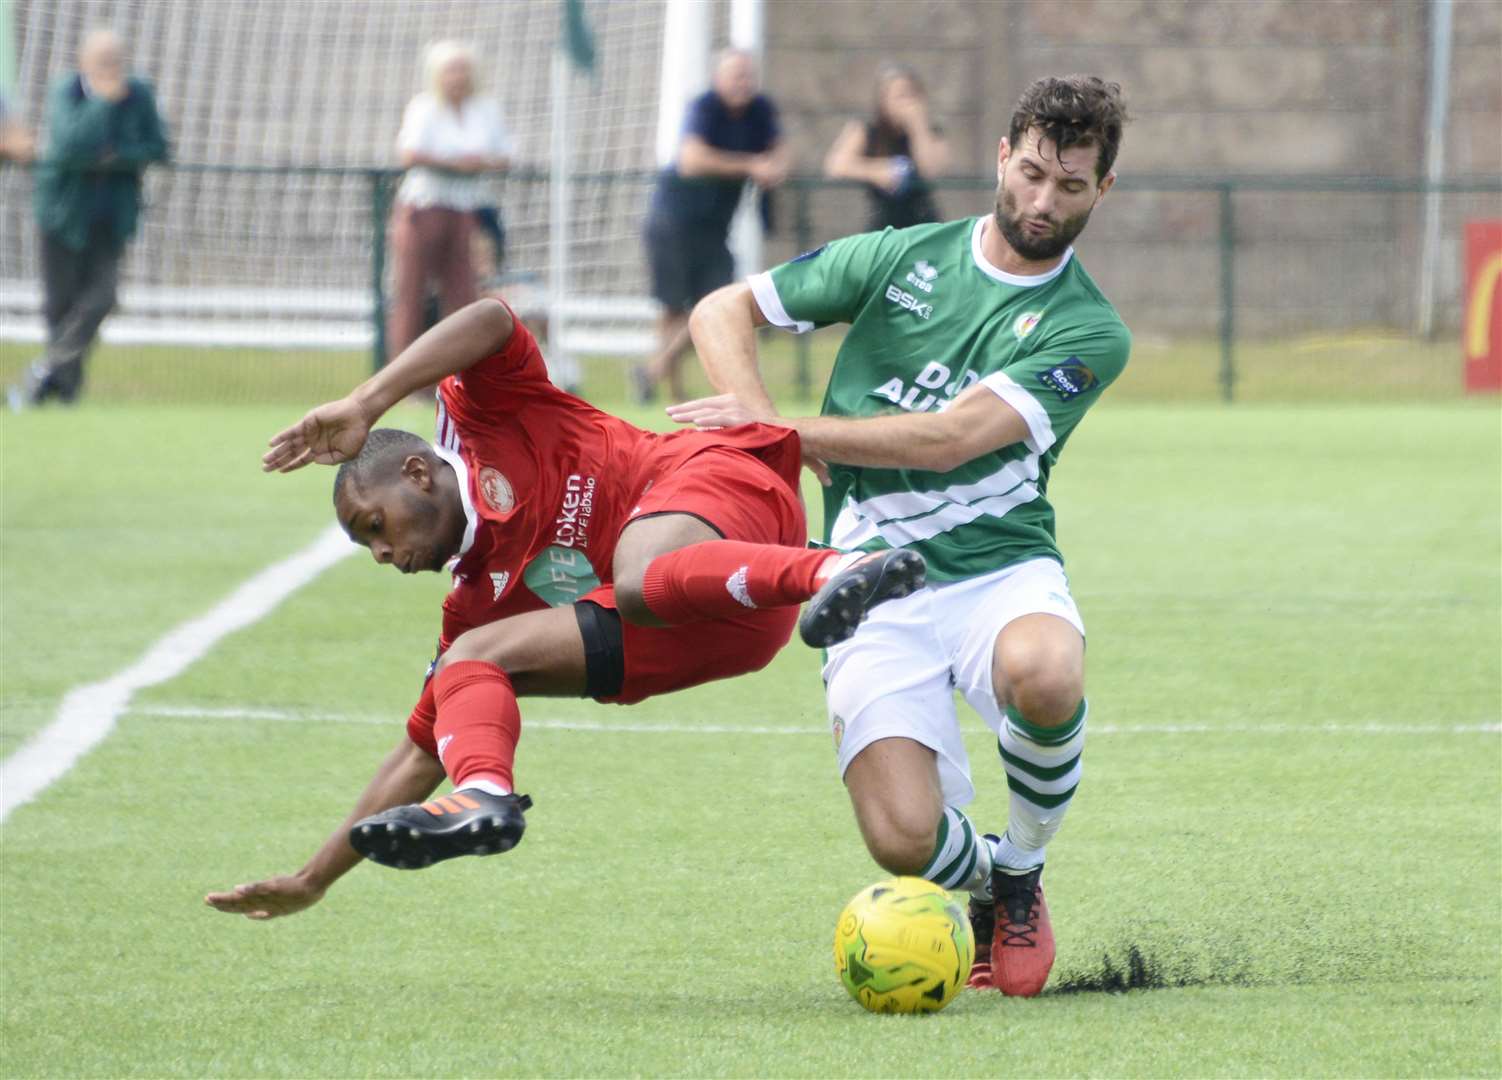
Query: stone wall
<point x="1218" y="88"/>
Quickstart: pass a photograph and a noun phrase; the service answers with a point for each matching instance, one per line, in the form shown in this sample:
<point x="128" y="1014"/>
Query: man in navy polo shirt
<point x="730" y="135"/>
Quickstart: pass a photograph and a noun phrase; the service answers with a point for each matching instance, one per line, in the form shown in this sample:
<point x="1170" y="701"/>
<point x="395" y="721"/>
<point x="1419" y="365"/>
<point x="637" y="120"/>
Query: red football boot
<point x="982" y="929"/>
<point x="1022" y="948"/>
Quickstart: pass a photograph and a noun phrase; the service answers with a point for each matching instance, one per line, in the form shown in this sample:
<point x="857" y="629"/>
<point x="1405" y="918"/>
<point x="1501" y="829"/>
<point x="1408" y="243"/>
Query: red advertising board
<point x="1481" y="330"/>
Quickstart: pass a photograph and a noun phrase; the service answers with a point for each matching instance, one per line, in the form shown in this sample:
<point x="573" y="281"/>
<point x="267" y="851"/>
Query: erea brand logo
<point x="922" y="275"/>
<point x="1069" y="379"/>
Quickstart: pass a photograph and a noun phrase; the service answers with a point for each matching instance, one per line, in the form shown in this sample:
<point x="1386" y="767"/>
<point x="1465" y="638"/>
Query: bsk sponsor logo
<point x="908" y="302"/>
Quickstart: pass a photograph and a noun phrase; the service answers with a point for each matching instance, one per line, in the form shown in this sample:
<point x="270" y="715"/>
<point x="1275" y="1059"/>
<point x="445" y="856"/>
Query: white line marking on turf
<point x="215" y="712"/>
<point x="88" y="713"/>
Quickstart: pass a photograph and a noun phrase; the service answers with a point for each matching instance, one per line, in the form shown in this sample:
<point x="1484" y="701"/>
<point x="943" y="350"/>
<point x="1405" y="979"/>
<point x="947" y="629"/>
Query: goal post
<point x="282" y="117"/>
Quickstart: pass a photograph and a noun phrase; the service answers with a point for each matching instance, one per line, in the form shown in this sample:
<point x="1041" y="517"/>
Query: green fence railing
<point x="1225" y="191"/>
<point x="1225" y="237"/>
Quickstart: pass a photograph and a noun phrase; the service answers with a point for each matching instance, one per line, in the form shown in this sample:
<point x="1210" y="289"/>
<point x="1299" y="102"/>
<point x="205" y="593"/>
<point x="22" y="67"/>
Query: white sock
<point x="961" y="858"/>
<point x="487" y="786"/>
<point x="1043" y="771"/>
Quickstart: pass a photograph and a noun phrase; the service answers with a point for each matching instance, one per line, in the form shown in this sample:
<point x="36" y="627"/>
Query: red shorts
<point x="741" y="498"/>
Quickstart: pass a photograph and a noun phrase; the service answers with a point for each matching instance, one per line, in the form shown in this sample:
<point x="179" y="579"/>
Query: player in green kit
<point x="974" y="349"/>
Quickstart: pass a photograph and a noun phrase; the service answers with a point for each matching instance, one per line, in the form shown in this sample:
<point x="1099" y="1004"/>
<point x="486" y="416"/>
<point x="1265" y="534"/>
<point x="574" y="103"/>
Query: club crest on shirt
<point x="1069" y="379"/>
<point x="1026" y="323"/>
<point x="496" y="490"/>
<point x="498" y="582"/>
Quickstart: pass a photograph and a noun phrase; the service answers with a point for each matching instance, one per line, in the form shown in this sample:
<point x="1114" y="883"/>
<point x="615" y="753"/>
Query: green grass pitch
<point x="1289" y="819"/>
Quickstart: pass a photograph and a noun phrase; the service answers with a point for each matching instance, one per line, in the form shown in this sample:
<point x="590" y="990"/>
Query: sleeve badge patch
<point x="807" y="255"/>
<point x="1069" y="379"/>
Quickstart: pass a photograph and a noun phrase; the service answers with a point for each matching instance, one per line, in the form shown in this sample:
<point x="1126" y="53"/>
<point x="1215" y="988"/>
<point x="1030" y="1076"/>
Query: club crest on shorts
<point x="837" y="726"/>
<point x="496" y="490"/>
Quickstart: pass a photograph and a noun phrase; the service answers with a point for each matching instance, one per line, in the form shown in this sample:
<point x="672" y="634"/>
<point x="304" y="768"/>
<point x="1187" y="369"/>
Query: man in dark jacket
<point x="103" y="129"/>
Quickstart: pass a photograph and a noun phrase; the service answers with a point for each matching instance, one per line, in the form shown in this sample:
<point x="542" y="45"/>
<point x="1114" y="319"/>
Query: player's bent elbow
<point x="497" y="315"/>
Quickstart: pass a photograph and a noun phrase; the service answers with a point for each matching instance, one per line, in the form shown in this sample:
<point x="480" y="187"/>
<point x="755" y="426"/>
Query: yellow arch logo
<point x="1478" y="323"/>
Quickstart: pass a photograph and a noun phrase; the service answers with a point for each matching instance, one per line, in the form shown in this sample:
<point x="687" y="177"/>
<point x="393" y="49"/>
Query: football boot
<point x="1022" y="946"/>
<point x="851" y="592"/>
<point x="464" y="822"/>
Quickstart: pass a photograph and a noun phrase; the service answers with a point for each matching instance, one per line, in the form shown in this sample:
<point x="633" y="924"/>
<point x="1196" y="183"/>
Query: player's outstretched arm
<point x="409" y="774"/>
<point x="334" y="432"/>
<point x="976" y="424"/>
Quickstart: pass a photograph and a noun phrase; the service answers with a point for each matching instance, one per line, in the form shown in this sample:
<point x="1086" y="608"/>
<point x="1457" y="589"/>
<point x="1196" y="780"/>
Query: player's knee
<point x="1044" y="680"/>
<point x="489" y="647"/>
<point x="631" y="603"/>
<point x="899" y="837"/>
<point x="903" y="845"/>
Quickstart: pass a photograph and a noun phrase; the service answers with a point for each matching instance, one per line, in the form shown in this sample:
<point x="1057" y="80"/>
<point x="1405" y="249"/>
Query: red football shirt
<point x="549" y="481"/>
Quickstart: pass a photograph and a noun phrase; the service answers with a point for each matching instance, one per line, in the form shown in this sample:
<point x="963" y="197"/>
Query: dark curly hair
<point x="1076" y="110"/>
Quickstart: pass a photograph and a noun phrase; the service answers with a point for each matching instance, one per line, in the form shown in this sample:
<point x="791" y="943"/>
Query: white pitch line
<point x="88" y="713"/>
<point x="214" y="712"/>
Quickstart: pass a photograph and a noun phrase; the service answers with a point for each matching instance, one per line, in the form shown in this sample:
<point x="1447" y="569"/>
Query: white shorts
<point x="897" y="676"/>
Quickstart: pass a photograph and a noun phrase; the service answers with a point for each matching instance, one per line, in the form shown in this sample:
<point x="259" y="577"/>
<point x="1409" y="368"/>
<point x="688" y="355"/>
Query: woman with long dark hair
<point x="895" y="153"/>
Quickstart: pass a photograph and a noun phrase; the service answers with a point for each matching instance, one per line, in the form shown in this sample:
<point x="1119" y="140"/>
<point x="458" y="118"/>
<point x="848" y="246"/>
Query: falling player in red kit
<point x="589" y="558"/>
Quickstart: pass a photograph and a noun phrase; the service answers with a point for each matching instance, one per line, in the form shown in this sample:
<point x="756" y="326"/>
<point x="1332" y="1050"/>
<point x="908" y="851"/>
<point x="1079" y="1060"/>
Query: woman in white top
<point x="449" y="136"/>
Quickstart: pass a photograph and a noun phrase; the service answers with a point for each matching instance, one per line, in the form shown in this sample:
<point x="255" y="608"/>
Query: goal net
<point x="283" y="115"/>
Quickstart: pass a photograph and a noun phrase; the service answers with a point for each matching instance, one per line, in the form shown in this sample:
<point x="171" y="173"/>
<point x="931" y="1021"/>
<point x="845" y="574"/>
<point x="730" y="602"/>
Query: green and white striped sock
<point x="1043" y="770"/>
<point x="961" y="858"/>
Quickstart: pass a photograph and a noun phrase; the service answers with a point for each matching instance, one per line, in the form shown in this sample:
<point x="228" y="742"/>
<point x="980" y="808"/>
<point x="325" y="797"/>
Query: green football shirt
<point x="930" y="317"/>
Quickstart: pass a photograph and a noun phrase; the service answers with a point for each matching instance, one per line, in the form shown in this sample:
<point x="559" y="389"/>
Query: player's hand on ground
<point x="329" y="434"/>
<point x="267" y="899"/>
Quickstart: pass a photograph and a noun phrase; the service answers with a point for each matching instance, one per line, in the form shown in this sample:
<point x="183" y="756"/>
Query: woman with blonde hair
<point x="895" y="153"/>
<point x="450" y="136"/>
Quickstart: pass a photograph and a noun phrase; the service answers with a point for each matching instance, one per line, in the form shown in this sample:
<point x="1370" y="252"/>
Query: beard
<point x="1035" y="248"/>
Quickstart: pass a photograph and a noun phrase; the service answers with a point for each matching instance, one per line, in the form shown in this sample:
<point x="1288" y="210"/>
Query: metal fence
<point x="1243" y="271"/>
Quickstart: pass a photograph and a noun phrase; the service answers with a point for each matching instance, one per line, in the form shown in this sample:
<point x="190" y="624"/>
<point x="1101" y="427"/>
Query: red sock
<point x="478" y="722"/>
<point x="719" y="578"/>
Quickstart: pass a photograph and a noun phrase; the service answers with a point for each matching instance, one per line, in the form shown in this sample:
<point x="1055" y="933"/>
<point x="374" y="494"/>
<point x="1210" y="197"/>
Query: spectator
<point x="895" y="153"/>
<point x="16" y="143"/>
<point x="730" y="135"/>
<point x="449" y="136"/>
<point x="103" y="129"/>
